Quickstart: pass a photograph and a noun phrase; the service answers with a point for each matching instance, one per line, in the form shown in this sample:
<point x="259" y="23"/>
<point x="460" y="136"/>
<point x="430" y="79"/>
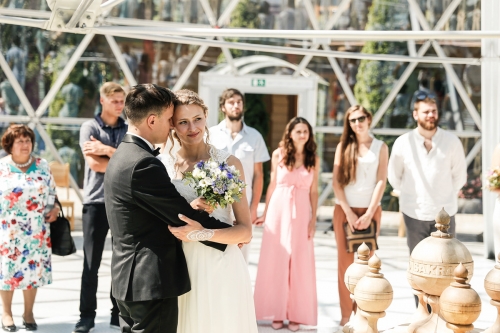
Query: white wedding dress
<point x="220" y="300"/>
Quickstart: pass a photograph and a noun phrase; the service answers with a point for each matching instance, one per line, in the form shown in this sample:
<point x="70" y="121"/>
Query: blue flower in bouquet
<point x="218" y="183"/>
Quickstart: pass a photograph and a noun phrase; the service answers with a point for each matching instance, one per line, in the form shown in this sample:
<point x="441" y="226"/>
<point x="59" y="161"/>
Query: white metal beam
<point x="288" y="50"/>
<point x="16" y="86"/>
<point x="54" y="89"/>
<point x="190" y="67"/>
<point x="214" y="23"/>
<point x="476" y="149"/>
<point x="121" y="61"/>
<point x="490" y="106"/>
<point x="421" y="52"/>
<point x="78" y="13"/>
<point x="41" y="14"/>
<point x="449" y="68"/>
<point x="27" y="22"/>
<point x="226" y="14"/>
<point x="398" y="85"/>
<point x="333" y="62"/>
<point x="333" y="35"/>
<point x="329" y="25"/>
<point x="108" y="5"/>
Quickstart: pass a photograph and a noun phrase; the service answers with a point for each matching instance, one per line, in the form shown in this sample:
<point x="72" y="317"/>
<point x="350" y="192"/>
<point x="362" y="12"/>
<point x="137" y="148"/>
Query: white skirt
<point x="221" y="299"/>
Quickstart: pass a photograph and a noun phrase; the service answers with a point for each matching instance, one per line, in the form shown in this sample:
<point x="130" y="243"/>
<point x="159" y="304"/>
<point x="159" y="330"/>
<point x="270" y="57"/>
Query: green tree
<point x="245" y="15"/>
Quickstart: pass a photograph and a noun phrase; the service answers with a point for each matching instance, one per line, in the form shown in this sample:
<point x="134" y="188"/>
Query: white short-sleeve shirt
<point x="248" y="146"/>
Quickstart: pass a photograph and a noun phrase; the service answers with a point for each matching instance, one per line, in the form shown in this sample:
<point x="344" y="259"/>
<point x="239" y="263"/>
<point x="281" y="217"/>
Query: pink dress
<point x="286" y="277"/>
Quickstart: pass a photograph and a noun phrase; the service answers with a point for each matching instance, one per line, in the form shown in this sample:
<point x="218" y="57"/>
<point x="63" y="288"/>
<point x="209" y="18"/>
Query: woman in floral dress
<point x="27" y="192"/>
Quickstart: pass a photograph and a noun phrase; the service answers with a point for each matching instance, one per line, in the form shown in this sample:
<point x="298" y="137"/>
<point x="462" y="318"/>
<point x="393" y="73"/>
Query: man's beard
<point x="429" y="126"/>
<point x="235" y="118"/>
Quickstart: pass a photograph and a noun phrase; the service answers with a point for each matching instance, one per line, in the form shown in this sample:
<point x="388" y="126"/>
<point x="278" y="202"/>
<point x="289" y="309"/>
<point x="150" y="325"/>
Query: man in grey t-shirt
<point x="99" y="139"/>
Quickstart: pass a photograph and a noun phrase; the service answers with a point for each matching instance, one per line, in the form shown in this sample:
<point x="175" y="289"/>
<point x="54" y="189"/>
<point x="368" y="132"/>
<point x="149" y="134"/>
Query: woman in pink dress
<point x="286" y="277"/>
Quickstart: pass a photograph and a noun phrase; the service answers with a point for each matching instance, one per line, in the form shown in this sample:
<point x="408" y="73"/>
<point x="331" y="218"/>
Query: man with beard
<point x="427" y="165"/>
<point x="244" y="142"/>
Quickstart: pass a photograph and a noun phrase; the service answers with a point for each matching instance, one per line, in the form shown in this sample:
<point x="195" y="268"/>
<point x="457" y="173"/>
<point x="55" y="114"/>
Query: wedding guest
<point x="244" y="142"/>
<point x="427" y="165"/>
<point x="359" y="179"/>
<point x="27" y="206"/>
<point x="495" y="164"/>
<point x="285" y="288"/>
<point x="99" y="139"/>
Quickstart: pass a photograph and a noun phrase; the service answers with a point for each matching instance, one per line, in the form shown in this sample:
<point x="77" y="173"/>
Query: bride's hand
<point x="202" y="204"/>
<point x="182" y="232"/>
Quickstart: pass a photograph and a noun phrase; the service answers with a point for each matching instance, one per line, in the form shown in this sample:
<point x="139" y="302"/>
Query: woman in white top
<point x="495" y="163"/>
<point x="359" y="179"/>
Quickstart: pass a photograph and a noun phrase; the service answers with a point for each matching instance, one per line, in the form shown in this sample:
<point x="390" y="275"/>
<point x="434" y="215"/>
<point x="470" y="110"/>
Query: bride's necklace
<point x="23" y="165"/>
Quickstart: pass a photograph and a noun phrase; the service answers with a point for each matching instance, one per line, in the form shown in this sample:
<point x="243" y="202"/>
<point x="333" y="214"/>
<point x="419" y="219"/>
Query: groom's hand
<point x="182" y="232"/>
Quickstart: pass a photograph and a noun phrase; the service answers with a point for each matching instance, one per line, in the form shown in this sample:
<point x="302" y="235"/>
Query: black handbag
<point x="358" y="237"/>
<point x="60" y="234"/>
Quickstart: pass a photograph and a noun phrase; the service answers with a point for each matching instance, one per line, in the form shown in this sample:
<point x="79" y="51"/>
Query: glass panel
<point x="24" y="4"/>
<point x="470" y="196"/>
<point x="186" y="11"/>
<point x="467" y="16"/>
<point x="327" y="144"/>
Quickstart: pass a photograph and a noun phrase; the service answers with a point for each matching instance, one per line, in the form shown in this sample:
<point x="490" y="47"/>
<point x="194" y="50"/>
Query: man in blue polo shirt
<point x="244" y="142"/>
<point x="99" y="139"/>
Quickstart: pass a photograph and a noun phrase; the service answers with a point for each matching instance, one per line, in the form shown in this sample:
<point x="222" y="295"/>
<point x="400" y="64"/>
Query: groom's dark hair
<point x="146" y="99"/>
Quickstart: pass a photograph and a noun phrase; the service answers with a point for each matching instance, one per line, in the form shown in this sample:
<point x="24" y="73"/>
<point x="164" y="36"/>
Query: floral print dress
<point x="25" y="247"/>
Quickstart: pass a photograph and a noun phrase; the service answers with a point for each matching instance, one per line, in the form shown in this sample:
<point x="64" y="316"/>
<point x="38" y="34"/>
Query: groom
<point x="148" y="268"/>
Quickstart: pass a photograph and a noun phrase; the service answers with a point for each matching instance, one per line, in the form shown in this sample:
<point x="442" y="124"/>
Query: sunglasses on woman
<point x="360" y="119"/>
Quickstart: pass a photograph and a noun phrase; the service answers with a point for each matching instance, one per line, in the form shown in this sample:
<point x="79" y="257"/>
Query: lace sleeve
<point x="169" y="163"/>
<point x="219" y="155"/>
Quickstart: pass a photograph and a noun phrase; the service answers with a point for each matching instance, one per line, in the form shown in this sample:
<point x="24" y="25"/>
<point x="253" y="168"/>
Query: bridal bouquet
<point x="493" y="178"/>
<point x="218" y="183"/>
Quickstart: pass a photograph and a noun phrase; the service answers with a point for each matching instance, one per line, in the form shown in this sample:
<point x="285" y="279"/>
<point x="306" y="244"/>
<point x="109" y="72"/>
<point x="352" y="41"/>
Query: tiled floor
<point x="56" y="308"/>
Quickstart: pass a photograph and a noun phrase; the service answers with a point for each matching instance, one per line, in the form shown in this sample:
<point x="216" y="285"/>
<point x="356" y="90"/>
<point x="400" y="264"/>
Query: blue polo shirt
<point x="93" y="183"/>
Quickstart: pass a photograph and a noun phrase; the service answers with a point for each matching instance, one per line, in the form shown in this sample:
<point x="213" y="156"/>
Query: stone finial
<point x="358" y="268"/>
<point x="442" y="225"/>
<point x="375" y="264"/>
<point x="492" y="287"/>
<point x="460" y="275"/>
<point x="460" y="305"/>
<point x="363" y="254"/>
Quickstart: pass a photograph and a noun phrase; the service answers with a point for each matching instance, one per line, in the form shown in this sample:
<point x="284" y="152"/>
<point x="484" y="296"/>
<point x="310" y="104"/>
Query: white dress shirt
<point x="248" y="146"/>
<point x="428" y="181"/>
<point x="148" y="143"/>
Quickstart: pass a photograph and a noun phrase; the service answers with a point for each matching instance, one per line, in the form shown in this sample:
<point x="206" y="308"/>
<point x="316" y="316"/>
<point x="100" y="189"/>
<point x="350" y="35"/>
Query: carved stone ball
<point x="373" y="293"/>
<point x="434" y="259"/>
<point x="358" y="268"/>
<point x="459" y="303"/>
<point x="492" y="282"/>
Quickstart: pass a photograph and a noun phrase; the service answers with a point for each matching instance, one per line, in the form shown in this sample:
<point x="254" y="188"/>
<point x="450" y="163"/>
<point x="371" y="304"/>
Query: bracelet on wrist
<point x="200" y="235"/>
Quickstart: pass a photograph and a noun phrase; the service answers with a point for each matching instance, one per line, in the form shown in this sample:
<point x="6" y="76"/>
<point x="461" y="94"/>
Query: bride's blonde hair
<point x="188" y="97"/>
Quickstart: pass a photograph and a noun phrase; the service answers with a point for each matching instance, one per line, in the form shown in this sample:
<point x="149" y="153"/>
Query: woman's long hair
<point x="289" y="148"/>
<point x="349" y="148"/>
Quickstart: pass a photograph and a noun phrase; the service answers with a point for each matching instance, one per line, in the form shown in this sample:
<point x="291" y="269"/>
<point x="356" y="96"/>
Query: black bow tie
<point x="156" y="152"/>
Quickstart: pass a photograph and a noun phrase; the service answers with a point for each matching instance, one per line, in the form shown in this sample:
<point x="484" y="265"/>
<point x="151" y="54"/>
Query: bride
<point x="220" y="300"/>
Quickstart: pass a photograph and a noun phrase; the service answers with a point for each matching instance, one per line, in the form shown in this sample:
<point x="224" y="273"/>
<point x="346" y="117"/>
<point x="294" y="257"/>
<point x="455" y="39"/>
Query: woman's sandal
<point x="294" y="327"/>
<point x="277" y="325"/>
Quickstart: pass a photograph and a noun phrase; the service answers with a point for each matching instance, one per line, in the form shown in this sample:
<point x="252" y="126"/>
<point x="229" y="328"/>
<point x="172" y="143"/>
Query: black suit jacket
<point x="141" y="201"/>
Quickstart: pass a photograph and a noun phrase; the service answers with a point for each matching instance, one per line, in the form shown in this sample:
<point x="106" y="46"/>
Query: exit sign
<point x="258" y="82"/>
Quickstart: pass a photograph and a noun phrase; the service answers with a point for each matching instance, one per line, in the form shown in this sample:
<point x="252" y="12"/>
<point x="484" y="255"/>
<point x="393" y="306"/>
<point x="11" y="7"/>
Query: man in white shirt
<point x="244" y="142"/>
<point x="427" y="165"/>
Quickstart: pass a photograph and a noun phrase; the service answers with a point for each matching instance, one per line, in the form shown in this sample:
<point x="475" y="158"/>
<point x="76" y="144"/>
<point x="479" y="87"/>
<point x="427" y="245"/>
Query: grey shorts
<point x="417" y="230"/>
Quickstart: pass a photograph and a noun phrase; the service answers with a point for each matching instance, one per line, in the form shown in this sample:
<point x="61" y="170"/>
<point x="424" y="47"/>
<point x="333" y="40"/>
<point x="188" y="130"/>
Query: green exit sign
<point x="258" y="82"/>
